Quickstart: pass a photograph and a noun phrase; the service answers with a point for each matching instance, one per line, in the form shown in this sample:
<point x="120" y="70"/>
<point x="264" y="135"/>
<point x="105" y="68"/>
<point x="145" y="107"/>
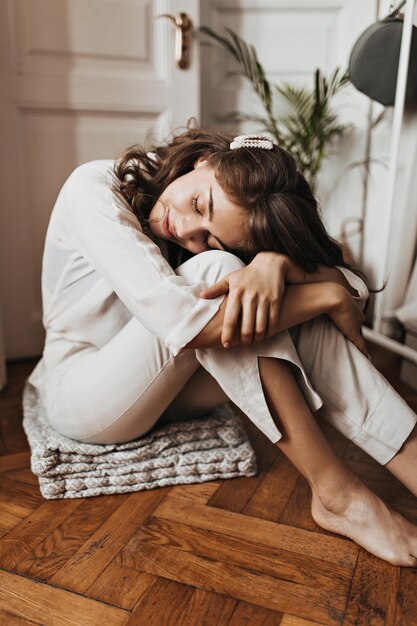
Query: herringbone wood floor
<point x="238" y="552"/>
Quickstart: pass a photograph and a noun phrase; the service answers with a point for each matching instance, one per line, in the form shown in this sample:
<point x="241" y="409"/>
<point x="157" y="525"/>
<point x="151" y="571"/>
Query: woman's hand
<point x="255" y="294"/>
<point x="348" y="318"/>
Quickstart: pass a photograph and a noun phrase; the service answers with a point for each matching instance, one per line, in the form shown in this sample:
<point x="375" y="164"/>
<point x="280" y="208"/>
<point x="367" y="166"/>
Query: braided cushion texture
<point x="211" y="447"/>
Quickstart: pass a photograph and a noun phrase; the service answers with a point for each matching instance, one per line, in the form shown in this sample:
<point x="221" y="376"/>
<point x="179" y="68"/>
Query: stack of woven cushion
<point x="210" y="447"/>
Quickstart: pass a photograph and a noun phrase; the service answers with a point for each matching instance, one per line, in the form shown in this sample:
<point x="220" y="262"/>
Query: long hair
<point x="283" y="213"/>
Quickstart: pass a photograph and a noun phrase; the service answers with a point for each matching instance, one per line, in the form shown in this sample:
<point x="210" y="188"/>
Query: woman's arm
<point x="340" y="275"/>
<point x="324" y="273"/>
<point x="300" y="303"/>
<point x="295" y="275"/>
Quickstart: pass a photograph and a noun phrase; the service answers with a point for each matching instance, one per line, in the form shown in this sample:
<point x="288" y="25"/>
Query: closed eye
<point x="199" y="212"/>
<point x="195" y="206"/>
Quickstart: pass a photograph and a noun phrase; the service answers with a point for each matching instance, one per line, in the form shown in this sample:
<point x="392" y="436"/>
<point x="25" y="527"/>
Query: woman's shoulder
<point x="88" y="180"/>
<point x="97" y="169"/>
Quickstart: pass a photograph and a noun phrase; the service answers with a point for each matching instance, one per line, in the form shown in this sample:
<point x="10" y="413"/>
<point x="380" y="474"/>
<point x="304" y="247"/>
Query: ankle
<point x="336" y="496"/>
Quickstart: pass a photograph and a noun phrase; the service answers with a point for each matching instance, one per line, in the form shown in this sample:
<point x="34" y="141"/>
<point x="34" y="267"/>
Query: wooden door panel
<point x="82" y="79"/>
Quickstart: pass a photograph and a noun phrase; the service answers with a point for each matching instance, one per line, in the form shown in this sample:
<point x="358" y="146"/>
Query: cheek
<point x="158" y="210"/>
<point x="180" y="193"/>
<point x="181" y="202"/>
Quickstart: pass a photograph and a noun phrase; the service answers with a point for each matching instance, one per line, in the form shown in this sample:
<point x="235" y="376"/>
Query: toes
<point x="400" y="561"/>
<point x="402" y="556"/>
<point x="408" y="561"/>
<point x="411" y="562"/>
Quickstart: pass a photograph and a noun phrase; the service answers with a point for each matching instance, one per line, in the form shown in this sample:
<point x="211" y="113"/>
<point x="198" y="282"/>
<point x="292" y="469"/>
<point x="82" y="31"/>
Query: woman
<point x="169" y="283"/>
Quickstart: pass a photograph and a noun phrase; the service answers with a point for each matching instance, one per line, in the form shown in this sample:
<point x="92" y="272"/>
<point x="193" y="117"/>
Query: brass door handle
<point x="183" y="30"/>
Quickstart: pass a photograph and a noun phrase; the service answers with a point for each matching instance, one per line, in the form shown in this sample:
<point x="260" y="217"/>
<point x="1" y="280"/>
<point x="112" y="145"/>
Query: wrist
<point x="272" y="260"/>
<point x="305" y="302"/>
<point x="335" y="296"/>
<point x="271" y="257"/>
<point x="294" y="274"/>
<point x="210" y="335"/>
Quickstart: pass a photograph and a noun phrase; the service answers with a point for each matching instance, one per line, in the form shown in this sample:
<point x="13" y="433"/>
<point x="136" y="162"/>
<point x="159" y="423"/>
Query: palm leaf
<point x="310" y="124"/>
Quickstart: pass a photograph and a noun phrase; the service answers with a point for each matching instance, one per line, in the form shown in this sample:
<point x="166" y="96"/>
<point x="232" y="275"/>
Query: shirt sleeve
<point x="109" y="237"/>
<point x="357" y="283"/>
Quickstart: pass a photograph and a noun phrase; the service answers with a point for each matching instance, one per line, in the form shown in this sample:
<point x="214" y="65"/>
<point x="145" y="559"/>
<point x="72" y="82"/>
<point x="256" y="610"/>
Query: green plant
<point x="310" y="124"/>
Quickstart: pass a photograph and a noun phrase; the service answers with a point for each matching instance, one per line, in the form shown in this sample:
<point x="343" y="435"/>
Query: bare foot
<point x="364" y="518"/>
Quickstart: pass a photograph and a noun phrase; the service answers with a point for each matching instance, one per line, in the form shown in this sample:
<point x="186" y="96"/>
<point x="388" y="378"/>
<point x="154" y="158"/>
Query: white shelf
<point x="374" y="334"/>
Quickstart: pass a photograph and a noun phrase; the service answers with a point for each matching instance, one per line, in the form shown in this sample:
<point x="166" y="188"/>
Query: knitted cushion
<point x="211" y="447"/>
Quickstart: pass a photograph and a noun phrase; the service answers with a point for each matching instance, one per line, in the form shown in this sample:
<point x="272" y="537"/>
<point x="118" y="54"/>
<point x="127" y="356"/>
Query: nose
<point x="188" y="229"/>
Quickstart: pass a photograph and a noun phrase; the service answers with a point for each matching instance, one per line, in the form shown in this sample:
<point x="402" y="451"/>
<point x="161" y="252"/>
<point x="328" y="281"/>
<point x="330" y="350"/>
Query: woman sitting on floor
<point x="176" y="280"/>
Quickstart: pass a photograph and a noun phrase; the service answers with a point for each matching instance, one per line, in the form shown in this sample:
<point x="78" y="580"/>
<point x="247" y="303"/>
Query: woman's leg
<point x="404" y="464"/>
<point x="118" y="392"/>
<point x="200" y="394"/>
<point x="358" y="400"/>
<point x="341" y="502"/>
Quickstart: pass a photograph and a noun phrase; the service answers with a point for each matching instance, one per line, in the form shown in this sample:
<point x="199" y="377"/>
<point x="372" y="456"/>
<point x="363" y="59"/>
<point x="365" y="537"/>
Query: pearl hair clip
<point x="252" y="141"/>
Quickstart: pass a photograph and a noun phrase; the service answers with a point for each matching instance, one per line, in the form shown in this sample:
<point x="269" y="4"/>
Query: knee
<point x="210" y="266"/>
<point x="218" y="263"/>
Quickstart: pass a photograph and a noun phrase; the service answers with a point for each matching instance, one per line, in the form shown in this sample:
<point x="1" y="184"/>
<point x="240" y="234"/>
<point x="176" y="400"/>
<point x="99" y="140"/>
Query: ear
<point x="200" y="161"/>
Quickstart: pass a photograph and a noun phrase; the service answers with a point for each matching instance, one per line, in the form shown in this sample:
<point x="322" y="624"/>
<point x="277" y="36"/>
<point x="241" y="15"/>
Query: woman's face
<point x="194" y="212"/>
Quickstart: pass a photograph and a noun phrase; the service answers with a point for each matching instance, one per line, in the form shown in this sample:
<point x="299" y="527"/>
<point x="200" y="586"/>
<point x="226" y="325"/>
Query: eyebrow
<point x="211" y="212"/>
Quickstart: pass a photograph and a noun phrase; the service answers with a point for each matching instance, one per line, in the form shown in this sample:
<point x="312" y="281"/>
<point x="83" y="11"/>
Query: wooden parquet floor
<point x="238" y="552"/>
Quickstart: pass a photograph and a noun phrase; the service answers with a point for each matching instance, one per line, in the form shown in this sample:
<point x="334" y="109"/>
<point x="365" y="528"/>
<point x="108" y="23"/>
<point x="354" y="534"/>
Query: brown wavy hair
<point x="283" y="213"/>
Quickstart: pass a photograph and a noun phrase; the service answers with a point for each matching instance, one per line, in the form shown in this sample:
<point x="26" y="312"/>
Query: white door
<point x="79" y="80"/>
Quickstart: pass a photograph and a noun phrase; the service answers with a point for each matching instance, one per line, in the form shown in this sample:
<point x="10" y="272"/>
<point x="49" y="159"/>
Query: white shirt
<point x="99" y="269"/>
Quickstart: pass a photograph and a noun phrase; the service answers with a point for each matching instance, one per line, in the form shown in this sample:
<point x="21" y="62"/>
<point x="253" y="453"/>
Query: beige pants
<point x="119" y="392"/>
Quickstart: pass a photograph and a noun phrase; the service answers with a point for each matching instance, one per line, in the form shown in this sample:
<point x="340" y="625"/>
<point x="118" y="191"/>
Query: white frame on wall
<point x="374" y="334"/>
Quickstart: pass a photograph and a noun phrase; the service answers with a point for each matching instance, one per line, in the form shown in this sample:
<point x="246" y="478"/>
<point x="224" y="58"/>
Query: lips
<point x="167" y="227"/>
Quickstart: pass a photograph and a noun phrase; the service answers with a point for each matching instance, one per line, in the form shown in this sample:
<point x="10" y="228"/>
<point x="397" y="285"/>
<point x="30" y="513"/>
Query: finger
<point x="236" y="333"/>
<point x="218" y="289"/>
<point x="261" y="325"/>
<point x="248" y="321"/>
<point x="231" y="316"/>
<point x="273" y="319"/>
